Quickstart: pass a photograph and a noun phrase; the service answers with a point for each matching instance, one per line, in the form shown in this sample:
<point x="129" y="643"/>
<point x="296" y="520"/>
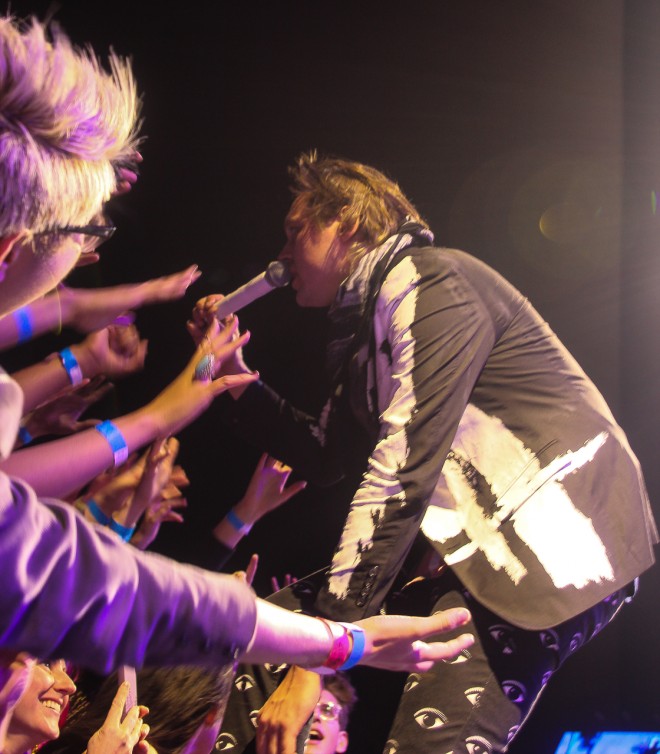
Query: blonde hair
<point x="361" y="197"/>
<point x="66" y="126"/>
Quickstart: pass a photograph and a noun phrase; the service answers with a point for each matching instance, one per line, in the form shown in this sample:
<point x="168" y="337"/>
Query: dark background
<point x="526" y="132"/>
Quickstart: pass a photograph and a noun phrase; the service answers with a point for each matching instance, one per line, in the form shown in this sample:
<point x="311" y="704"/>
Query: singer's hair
<point x="344" y="692"/>
<point x="361" y="197"/>
<point x="66" y="126"/>
<point x="180" y="699"/>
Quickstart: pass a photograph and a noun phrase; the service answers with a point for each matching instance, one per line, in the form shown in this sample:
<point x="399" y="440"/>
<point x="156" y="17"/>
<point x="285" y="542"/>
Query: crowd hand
<point x="203" y="315"/>
<point x="127" y="176"/>
<point x="266" y="490"/>
<point x="287" y="581"/>
<point x="112" y="490"/>
<point x="193" y="391"/>
<point x="117" y="736"/>
<point x="90" y="310"/>
<point x="156" y="475"/>
<point x="286" y="711"/>
<point x="59" y="416"/>
<point x="115" y="351"/>
<point x="250" y="572"/>
<point x="154" y="516"/>
<point x="397" y="642"/>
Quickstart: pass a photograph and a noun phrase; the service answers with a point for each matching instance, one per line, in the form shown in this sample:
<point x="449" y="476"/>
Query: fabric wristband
<point x="99" y="515"/>
<point x="24" y="436"/>
<point x="23" y="322"/>
<point x="70" y="363"/>
<point x="238" y="524"/>
<point x="339" y="650"/>
<point x="115" y="441"/>
<point x="358" y="645"/>
<point x="125" y="532"/>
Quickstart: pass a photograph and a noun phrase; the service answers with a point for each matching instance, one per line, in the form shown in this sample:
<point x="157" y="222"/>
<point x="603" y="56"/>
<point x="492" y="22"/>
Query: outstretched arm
<point x="48" y="468"/>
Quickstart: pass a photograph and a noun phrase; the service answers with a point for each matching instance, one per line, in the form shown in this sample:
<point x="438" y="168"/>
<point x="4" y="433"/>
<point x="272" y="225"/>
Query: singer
<point x="490" y="473"/>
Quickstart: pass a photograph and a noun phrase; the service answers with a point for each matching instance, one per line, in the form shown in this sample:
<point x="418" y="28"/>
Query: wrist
<point x="71" y="363"/>
<point x="86" y="360"/>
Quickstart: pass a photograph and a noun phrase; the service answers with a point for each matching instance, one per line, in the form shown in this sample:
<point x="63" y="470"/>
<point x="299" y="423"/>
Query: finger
<point x="274" y="584"/>
<point x="294" y="489"/>
<point x="117" y="706"/>
<point x="251" y="569"/>
<point x="426" y="655"/>
<point x="231" y="381"/>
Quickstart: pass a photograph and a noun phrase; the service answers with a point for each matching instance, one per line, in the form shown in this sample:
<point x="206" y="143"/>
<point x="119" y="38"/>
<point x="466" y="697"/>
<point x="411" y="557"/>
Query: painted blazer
<point x="471" y="420"/>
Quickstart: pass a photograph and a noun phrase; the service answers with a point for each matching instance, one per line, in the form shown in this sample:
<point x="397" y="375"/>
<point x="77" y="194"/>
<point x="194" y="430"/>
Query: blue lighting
<point x="610" y="742"/>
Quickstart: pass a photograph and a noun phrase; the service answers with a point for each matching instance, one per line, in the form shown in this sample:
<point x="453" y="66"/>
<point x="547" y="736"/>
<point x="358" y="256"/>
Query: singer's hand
<point x="203" y="316"/>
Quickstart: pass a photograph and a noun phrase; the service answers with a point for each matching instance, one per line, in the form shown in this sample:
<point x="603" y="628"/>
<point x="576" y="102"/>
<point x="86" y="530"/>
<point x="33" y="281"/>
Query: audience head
<point x="328" y="734"/>
<point x="66" y="126"/>
<point x="36" y="717"/>
<point x="183" y="704"/>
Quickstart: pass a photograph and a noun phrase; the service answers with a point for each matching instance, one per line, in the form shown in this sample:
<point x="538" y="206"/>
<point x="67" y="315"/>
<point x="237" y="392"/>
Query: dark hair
<point x="344" y="692"/>
<point x="332" y="188"/>
<point x="179" y="700"/>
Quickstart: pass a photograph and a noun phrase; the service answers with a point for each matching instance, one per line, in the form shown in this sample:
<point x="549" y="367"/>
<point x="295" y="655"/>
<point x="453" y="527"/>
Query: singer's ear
<point x="347" y="230"/>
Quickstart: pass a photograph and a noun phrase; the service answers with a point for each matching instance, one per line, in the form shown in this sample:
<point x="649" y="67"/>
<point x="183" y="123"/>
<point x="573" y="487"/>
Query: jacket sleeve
<point x="293" y="436"/>
<point x="69" y="589"/>
<point x="433" y="335"/>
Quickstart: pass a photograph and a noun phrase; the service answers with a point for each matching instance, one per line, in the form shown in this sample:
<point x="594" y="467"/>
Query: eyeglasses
<point x="95" y="235"/>
<point x="328" y="710"/>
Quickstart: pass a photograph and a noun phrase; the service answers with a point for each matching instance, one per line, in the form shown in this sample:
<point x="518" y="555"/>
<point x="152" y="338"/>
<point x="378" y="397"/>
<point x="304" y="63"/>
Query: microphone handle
<point x="246" y="294"/>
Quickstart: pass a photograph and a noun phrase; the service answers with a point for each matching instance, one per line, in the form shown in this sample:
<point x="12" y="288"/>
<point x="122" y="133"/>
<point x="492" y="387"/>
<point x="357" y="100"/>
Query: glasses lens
<point x="328" y="710"/>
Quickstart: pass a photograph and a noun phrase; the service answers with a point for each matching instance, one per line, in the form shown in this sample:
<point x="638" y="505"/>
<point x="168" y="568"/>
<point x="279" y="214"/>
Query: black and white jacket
<point x="471" y="420"/>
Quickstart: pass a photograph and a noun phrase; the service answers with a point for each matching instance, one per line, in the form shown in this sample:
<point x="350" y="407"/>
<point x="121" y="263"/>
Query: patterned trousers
<point x="472" y="705"/>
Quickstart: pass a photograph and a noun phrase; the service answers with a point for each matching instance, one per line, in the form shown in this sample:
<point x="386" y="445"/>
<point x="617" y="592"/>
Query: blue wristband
<point x="358" y="645"/>
<point x="99" y="515"/>
<point x="115" y="441"/>
<point x="70" y="363"/>
<point x="237" y="523"/>
<point x="24" y="436"/>
<point x="23" y="323"/>
<point x="125" y="532"/>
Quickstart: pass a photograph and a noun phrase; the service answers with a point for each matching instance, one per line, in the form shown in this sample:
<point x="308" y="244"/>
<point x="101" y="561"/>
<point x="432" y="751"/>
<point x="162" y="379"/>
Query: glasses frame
<point x="334" y="708"/>
<point x="100" y="232"/>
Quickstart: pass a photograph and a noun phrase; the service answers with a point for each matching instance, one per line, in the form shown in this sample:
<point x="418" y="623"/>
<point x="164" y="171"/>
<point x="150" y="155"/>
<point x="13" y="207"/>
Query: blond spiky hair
<point x="66" y="125"/>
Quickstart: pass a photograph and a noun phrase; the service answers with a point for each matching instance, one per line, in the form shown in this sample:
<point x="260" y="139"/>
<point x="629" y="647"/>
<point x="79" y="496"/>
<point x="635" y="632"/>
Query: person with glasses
<point x="329" y="734"/>
<point x="67" y="588"/>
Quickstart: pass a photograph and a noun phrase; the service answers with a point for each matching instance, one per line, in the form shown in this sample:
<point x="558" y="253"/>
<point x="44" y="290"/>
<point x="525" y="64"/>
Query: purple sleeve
<point x="69" y="589"/>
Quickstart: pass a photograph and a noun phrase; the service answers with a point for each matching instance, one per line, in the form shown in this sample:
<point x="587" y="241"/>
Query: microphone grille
<point x="278" y="274"/>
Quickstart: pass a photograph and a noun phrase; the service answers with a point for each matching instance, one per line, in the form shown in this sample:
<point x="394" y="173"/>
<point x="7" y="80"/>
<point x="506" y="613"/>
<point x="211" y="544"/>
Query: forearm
<point x="40" y="382"/>
<point x="42" y="316"/>
<point x="58" y="468"/>
<point x="284" y="637"/>
<point x="68" y="589"/>
<point x="264" y="418"/>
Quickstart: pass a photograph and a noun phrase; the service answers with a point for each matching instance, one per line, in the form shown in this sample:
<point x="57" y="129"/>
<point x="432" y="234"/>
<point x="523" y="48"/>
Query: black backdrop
<point x="526" y="133"/>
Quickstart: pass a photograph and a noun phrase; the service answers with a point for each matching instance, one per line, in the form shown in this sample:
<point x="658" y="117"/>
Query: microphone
<point x="277" y="275"/>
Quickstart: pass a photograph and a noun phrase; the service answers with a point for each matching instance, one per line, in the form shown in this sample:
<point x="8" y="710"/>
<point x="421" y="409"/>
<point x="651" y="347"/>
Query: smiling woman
<point x="36" y="717"/>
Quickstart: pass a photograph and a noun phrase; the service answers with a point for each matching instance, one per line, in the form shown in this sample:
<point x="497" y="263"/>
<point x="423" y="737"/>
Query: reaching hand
<point x="115" y="351"/>
<point x="156" y="475"/>
<point x="396" y="642"/>
<point x="288" y="580"/>
<point x="266" y="490"/>
<point x="286" y="711"/>
<point x="90" y="310"/>
<point x="119" y="737"/>
<point x="59" y="416"/>
<point x="193" y="391"/>
<point x="155" y="515"/>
